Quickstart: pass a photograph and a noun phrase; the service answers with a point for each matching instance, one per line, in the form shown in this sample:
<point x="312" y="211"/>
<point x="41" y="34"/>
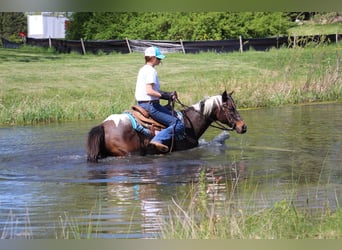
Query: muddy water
<point x="47" y="189"/>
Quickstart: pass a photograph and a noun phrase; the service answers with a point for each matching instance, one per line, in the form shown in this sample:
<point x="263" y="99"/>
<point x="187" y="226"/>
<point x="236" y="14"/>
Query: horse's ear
<point x="224" y="96"/>
<point x="231" y="93"/>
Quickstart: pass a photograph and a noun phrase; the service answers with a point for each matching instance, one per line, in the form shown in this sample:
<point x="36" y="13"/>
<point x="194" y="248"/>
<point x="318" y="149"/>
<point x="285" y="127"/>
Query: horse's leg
<point x="186" y="143"/>
<point x="120" y="139"/>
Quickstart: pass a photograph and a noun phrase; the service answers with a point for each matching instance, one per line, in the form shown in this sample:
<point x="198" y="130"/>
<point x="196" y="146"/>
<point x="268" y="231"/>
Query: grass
<point x="85" y="226"/>
<point x="213" y="208"/>
<point x="10" y="230"/>
<point x="203" y="216"/>
<point x="39" y="85"/>
<point x="309" y="29"/>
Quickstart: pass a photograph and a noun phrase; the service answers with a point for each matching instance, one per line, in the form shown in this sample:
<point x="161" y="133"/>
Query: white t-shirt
<point x="147" y="75"/>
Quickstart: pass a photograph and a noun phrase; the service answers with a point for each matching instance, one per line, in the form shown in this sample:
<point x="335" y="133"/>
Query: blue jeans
<point x="174" y="126"/>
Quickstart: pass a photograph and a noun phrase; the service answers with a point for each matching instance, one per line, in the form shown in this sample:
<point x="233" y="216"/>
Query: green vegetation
<point x="177" y="25"/>
<point x="67" y="227"/>
<point x="38" y="85"/>
<point x="319" y="24"/>
<point x="180" y="25"/>
<point x="213" y="209"/>
<point x="199" y="25"/>
<point x="11" y="24"/>
<point x="42" y="86"/>
<point x="309" y="29"/>
<point x="206" y="214"/>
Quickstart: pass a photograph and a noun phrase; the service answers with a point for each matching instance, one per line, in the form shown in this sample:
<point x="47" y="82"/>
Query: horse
<point x="115" y="136"/>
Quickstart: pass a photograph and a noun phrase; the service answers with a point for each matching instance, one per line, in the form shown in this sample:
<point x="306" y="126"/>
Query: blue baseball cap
<point x="154" y="51"/>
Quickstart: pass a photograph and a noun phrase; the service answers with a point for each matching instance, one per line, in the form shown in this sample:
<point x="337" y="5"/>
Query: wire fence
<point x="128" y="46"/>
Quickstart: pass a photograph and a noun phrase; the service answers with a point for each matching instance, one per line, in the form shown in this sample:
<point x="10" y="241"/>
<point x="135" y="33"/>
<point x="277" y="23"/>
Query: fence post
<point x="336" y="39"/>
<point x="181" y="42"/>
<point x="129" y="47"/>
<point x="83" y="47"/>
<point x="241" y="45"/>
<point x="294" y="40"/>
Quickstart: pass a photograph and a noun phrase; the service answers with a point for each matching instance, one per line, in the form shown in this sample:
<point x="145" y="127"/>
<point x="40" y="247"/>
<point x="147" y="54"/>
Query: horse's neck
<point x="195" y="123"/>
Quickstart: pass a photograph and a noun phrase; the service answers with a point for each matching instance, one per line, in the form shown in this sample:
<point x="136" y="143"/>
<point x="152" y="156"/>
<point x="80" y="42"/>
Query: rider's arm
<point x="151" y="92"/>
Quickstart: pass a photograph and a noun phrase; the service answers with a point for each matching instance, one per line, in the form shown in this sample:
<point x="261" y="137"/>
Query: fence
<point x="8" y="44"/>
<point x="128" y="46"/>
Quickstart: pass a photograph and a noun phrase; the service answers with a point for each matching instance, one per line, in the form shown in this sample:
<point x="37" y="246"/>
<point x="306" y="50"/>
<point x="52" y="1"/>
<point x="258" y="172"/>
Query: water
<point x="47" y="189"/>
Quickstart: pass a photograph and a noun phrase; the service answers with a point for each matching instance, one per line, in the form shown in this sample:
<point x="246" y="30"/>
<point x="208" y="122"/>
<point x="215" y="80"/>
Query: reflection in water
<point x="139" y="189"/>
<point x="136" y="198"/>
<point x="47" y="187"/>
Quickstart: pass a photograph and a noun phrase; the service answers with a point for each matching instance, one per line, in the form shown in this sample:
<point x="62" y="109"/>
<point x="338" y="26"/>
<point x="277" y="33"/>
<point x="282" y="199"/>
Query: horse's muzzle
<point x="241" y="127"/>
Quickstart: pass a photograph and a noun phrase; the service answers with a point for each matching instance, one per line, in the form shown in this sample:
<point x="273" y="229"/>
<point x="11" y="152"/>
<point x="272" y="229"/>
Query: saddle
<point x="143" y="117"/>
<point x="143" y="123"/>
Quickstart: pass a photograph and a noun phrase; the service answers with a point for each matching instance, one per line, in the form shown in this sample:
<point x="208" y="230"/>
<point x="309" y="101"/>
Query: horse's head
<point x="227" y="113"/>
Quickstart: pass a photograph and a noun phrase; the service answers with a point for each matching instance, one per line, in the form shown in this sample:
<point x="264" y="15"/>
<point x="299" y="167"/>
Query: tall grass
<point x="42" y="86"/>
<point x="83" y="226"/>
<point x="214" y="208"/>
<point x="310" y="28"/>
<point x="206" y="217"/>
<point x="11" y="230"/>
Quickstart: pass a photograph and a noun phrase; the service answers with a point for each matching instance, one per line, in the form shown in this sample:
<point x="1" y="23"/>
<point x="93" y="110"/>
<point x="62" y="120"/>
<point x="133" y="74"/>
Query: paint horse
<point x="117" y="135"/>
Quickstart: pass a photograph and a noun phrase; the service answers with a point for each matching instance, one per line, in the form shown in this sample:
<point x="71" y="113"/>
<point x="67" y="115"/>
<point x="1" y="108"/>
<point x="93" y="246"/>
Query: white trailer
<point x="43" y="26"/>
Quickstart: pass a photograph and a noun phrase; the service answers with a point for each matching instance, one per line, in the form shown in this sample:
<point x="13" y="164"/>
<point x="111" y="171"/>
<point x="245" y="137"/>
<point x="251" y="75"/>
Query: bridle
<point x="224" y="108"/>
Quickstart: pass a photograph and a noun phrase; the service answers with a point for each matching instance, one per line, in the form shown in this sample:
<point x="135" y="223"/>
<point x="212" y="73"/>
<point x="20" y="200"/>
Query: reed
<point x="83" y="226"/>
<point x="210" y="210"/>
<point x="11" y="230"/>
<point x="42" y="86"/>
<point x="238" y="217"/>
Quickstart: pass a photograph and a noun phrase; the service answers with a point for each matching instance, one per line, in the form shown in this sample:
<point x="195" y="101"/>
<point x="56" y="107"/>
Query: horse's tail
<point x="95" y="143"/>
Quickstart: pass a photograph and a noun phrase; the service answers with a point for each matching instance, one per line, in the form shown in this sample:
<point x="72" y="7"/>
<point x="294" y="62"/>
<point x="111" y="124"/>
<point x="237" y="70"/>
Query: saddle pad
<point x="137" y="126"/>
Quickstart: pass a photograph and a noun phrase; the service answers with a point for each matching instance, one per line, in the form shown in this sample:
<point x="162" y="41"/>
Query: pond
<point x="47" y="189"/>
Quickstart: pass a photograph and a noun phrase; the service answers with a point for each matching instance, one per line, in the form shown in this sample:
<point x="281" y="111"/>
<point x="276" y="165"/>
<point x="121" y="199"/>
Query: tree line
<point x="164" y="25"/>
<point x="177" y="25"/>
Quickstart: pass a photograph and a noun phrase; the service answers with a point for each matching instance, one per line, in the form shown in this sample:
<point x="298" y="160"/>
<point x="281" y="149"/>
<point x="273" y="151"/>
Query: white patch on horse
<point x="208" y="105"/>
<point x="117" y="118"/>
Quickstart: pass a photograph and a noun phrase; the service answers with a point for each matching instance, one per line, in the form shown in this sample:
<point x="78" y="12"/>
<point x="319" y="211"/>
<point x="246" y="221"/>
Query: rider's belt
<point x="152" y="101"/>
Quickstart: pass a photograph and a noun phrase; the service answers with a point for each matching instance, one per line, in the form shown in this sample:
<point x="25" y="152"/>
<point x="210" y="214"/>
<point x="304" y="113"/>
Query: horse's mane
<point x="206" y="105"/>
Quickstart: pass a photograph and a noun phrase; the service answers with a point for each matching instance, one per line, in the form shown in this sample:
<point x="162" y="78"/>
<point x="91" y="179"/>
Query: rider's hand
<point x="173" y="95"/>
<point x="170" y="96"/>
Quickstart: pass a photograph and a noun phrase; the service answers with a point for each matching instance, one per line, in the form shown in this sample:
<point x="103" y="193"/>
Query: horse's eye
<point x="226" y="107"/>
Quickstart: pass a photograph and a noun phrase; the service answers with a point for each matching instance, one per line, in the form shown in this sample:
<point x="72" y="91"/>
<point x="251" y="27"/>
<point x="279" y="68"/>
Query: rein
<point x="217" y="126"/>
<point x="173" y="128"/>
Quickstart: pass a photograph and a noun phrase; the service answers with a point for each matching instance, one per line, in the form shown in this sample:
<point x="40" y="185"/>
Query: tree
<point x="177" y="25"/>
<point x="11" y="24"/>
<point x="76" y="29"/>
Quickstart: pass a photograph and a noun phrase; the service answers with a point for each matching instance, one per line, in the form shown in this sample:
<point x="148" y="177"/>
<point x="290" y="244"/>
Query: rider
<point x="148" y="93"/>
